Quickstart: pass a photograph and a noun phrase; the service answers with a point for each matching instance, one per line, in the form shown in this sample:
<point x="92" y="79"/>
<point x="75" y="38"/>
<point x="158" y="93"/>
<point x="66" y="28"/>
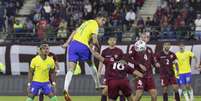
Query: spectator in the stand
<point x="115" y="18"/>
<point x="2" y="17"/>
<point x="140" y="24"/>
<point x="37" y="17"/>
<point x="62" y="32"/>
<point x="88" y="6"/>
<point x="41" y="27"/>
<point x="198" y="27"/>
<point x="55" y="21"/>
<point x="180" y="27"/>
<point x="46" y="10"/>
<point x="130" y="16"/>
<point x="29" y="25"/>
<point x="148" y="24"/>
<point x="18" y="26"/>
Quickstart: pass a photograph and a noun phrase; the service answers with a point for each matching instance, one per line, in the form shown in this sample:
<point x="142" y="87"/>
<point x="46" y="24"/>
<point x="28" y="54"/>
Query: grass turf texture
<point x="81" y="98"/>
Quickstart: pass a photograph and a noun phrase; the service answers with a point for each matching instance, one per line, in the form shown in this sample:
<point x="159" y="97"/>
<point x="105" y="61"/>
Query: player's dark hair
<point x="101" y="15"/>
<point x="112" y="36"/>
<point x="43" y="46"/>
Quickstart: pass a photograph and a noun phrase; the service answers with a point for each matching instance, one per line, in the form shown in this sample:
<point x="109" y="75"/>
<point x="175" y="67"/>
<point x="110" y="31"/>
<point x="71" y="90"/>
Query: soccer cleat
<point x="67" y="96"/>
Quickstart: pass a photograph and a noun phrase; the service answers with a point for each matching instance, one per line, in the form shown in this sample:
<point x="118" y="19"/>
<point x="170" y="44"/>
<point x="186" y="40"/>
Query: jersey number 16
<point x="118" y="66"/>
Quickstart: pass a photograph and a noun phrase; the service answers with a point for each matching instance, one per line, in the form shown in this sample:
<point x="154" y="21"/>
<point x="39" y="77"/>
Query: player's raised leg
<point x="68" y="79"/>
<point x="94" y="74"/>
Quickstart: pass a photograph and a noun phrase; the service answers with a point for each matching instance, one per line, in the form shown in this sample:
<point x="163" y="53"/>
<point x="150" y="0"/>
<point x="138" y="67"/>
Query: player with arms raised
<point x="165" y="61"/>
<point x="143" y="59"/>
<point x="111" y="51"/>
<point x="78" y="49"/>
<point x="117" y="77"/>
<point x="38" y="76"/>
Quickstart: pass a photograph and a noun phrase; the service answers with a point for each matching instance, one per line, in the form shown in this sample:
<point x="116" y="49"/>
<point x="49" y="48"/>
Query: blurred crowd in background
<point x="174" y="19"/>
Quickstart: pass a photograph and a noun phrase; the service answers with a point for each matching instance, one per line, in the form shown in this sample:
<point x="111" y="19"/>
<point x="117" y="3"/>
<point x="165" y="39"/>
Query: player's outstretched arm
<point x="95" y="40"/>
<point x="69" y="40"/>
<point x="97" y="55"/>
<point x="53" y="76"/>
<point x="30" y="78"/>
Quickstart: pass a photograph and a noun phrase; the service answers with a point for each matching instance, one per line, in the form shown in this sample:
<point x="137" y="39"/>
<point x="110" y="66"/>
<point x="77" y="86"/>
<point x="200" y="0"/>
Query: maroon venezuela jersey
<point x="115" y="52"/>
<point x="116" y="70"/>
<point x="166" y="62"/>
<point x="145" y="58"/>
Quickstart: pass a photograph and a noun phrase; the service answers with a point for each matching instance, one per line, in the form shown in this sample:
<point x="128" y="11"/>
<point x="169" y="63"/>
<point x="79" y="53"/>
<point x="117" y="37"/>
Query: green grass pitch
<point x="81" y="98"/>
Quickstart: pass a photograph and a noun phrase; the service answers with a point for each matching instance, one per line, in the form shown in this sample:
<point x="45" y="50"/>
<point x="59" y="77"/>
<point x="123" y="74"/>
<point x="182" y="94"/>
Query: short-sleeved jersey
<point x="184" y="61"/>
<point x="166" y="62"/>
<point x="53" y="56"/>
<point x="145" y="58"/>
<point x="117" y="70"/>
<point x="115" y="53"/>
<point x="41" y="68"/>
<point x="84" y="33"/>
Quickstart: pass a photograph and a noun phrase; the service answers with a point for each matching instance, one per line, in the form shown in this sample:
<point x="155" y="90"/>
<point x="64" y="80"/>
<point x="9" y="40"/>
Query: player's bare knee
<point x="165" y="89"/>
<point x="105" y="91"/>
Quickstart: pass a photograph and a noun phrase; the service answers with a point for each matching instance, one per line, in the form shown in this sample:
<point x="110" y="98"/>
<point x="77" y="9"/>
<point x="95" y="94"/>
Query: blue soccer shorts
<point x="44" y="87"/>
<point x="77" y="51"/>
<point x="185" y="78"/>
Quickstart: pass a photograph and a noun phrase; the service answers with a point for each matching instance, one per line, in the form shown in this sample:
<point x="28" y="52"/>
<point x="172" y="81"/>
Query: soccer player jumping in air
<point x="78" y="49"/>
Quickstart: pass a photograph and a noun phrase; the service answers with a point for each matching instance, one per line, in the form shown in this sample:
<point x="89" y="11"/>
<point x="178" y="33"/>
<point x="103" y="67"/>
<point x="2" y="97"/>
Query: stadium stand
<point x="53" y="21"/>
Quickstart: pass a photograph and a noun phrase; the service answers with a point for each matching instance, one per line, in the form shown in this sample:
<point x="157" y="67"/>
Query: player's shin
<point x="180" y="91"/>
<point x="41" y="97"/>
<point x="29" y="99"/>
<point x="95" y="76"/>
<point x="185" y="93"/>
<point x="103" y="97"/>
<point x="165" y="96"/>
<point x="191" y="94"/>
<point x="122" y="98"/>
<point x="177" y="97"/>
<point x="54" y="98"/>
<point x="68" y="80"/>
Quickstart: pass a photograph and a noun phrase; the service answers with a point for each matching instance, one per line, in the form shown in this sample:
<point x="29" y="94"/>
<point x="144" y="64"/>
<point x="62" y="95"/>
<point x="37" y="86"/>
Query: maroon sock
<point x="103" y="98"/>
<point x="122" y="98"/>
<point x="41" y="97"/>
<point x="177" y="97"/>
<point x="165" y="97"/>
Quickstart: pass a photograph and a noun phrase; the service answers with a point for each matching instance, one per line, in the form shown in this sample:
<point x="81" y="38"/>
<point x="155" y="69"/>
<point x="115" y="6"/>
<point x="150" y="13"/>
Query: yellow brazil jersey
<point x="85" y="31"/>
<point x="184" y="61"/>
<point x="41" y="68"/>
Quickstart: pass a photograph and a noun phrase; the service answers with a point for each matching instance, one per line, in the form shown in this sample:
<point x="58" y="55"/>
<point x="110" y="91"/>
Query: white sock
<point x="191" y="94"/>
<point x="180" y="92"/>
<point x="94" y="75"/>
<point x="68" y="79"/>
<point x="185" y="93"/>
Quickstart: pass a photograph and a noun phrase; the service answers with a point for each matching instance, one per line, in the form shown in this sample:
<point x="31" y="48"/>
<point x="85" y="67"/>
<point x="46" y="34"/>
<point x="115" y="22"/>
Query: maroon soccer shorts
<point x="167" y="80"/>
<point x="114" y="86"/>
<point x="146" y="84"/>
